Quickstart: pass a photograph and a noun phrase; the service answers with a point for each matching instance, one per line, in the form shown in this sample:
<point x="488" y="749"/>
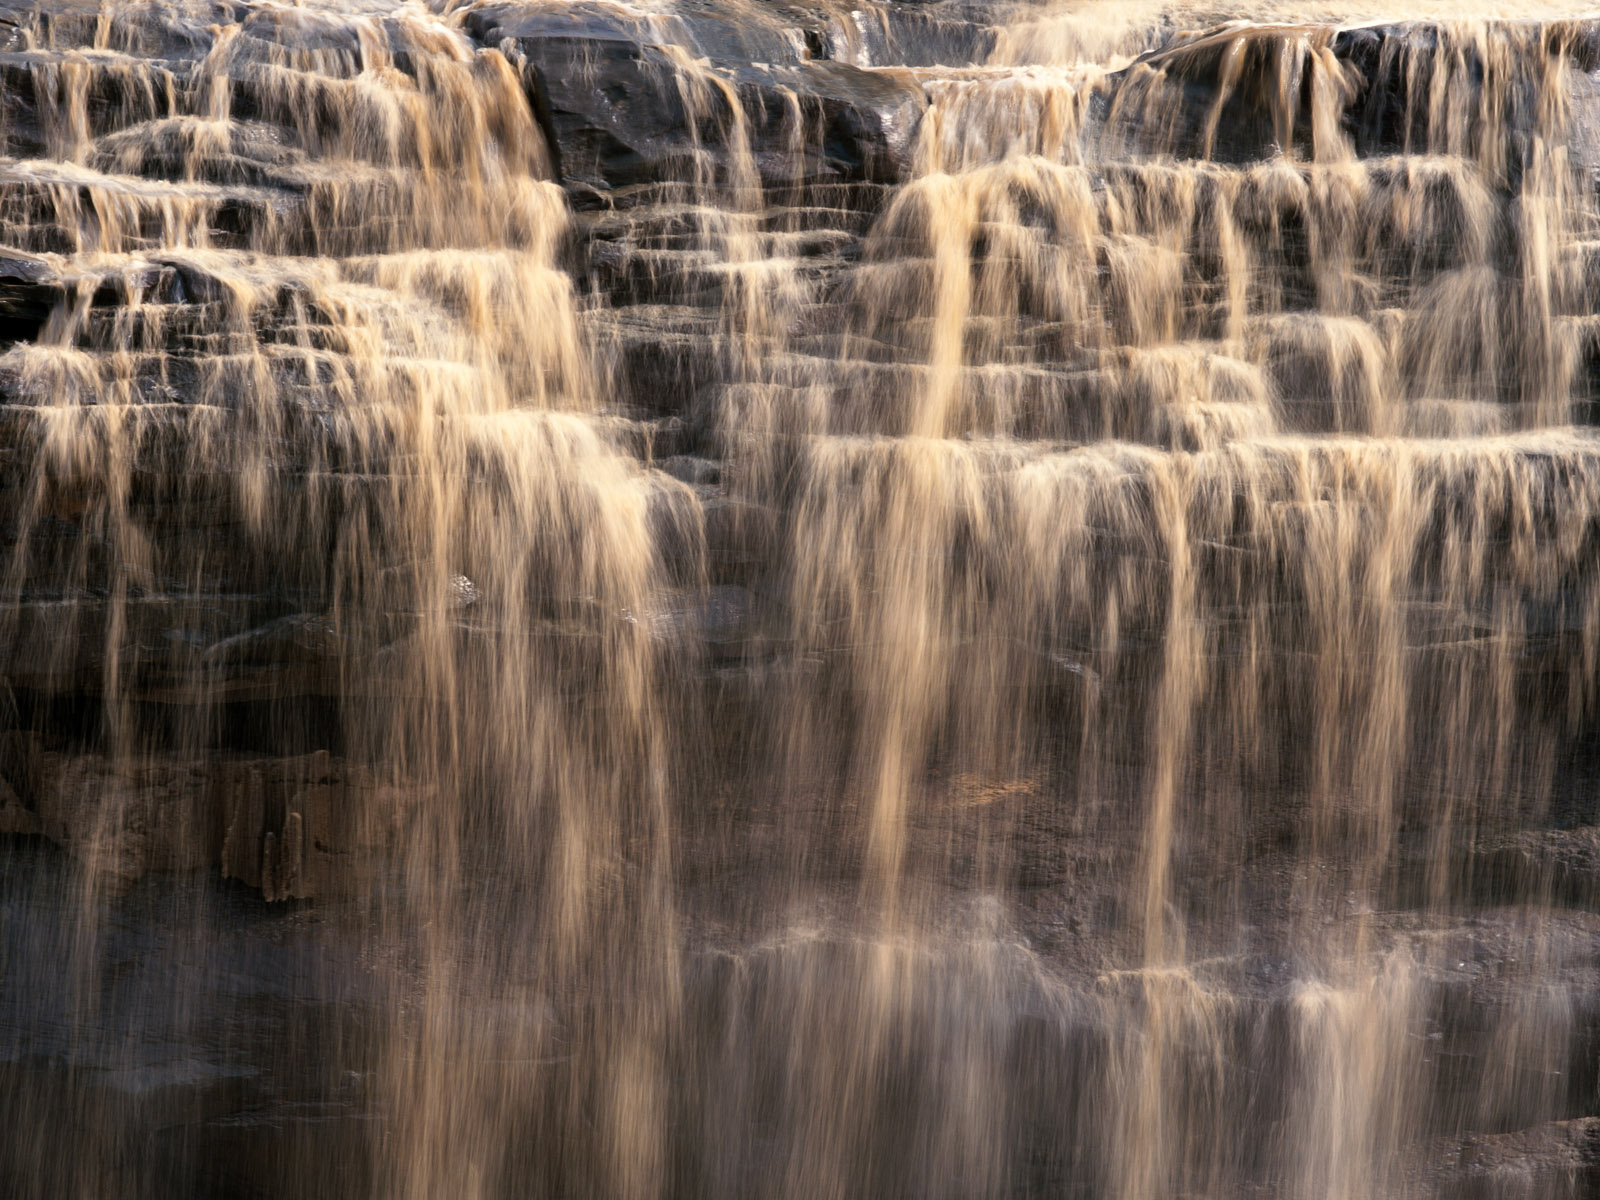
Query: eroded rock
<point x="295" y="827"/>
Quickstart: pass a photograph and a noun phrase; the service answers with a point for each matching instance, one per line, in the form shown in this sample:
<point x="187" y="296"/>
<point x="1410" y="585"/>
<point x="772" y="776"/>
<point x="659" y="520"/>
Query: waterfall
<point x="644" y="599"/>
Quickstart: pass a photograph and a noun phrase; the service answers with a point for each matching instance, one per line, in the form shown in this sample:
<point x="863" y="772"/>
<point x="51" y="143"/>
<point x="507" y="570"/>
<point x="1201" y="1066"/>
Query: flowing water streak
<point x="402" y="421"/>
<point x="1114" y="264"/>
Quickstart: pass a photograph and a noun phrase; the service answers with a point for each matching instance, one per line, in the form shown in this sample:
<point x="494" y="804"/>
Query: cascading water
<point x="717" y="599"/>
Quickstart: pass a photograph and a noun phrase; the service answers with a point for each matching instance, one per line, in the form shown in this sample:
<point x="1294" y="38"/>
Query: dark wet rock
<point x="1561" y="864"/>
<point x="122" y="821"/>
<point x="661" y="357"/>
<point x="725" y="623"/>
<point x="293" y="826"/>
<point x="668" y="437"/>
<point x="626" y="111"/>
<point x="21" y="768"/>
<point x="303" y="827"/>
<point x="1216" y="93"/>
<point x="300" y="638"/>
<point x="177" y="1068"/>
<point x="854" y="125"/>
<point x="29" y="291"/>
<point x="1388" y="61"/>
<point x="740" y="536"/>
<point x="183" y="29"/>
<point x="915" y="33"/>
<point x="1555" y="1161"/>
<point x="691" y="470"/>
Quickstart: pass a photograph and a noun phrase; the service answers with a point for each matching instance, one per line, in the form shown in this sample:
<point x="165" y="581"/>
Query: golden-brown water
<point x="1062" y="670"/>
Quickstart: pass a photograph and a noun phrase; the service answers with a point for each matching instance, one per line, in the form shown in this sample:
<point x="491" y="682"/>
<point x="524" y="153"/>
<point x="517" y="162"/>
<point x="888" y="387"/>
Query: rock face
<point x="735" y="598"/>
<point x="631" y="99"/>
<point x="293" y="827"/>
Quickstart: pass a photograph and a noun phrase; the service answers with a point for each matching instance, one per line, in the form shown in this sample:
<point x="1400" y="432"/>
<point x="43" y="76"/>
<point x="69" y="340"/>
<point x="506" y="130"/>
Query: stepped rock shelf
<point x="724" y="598"/>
